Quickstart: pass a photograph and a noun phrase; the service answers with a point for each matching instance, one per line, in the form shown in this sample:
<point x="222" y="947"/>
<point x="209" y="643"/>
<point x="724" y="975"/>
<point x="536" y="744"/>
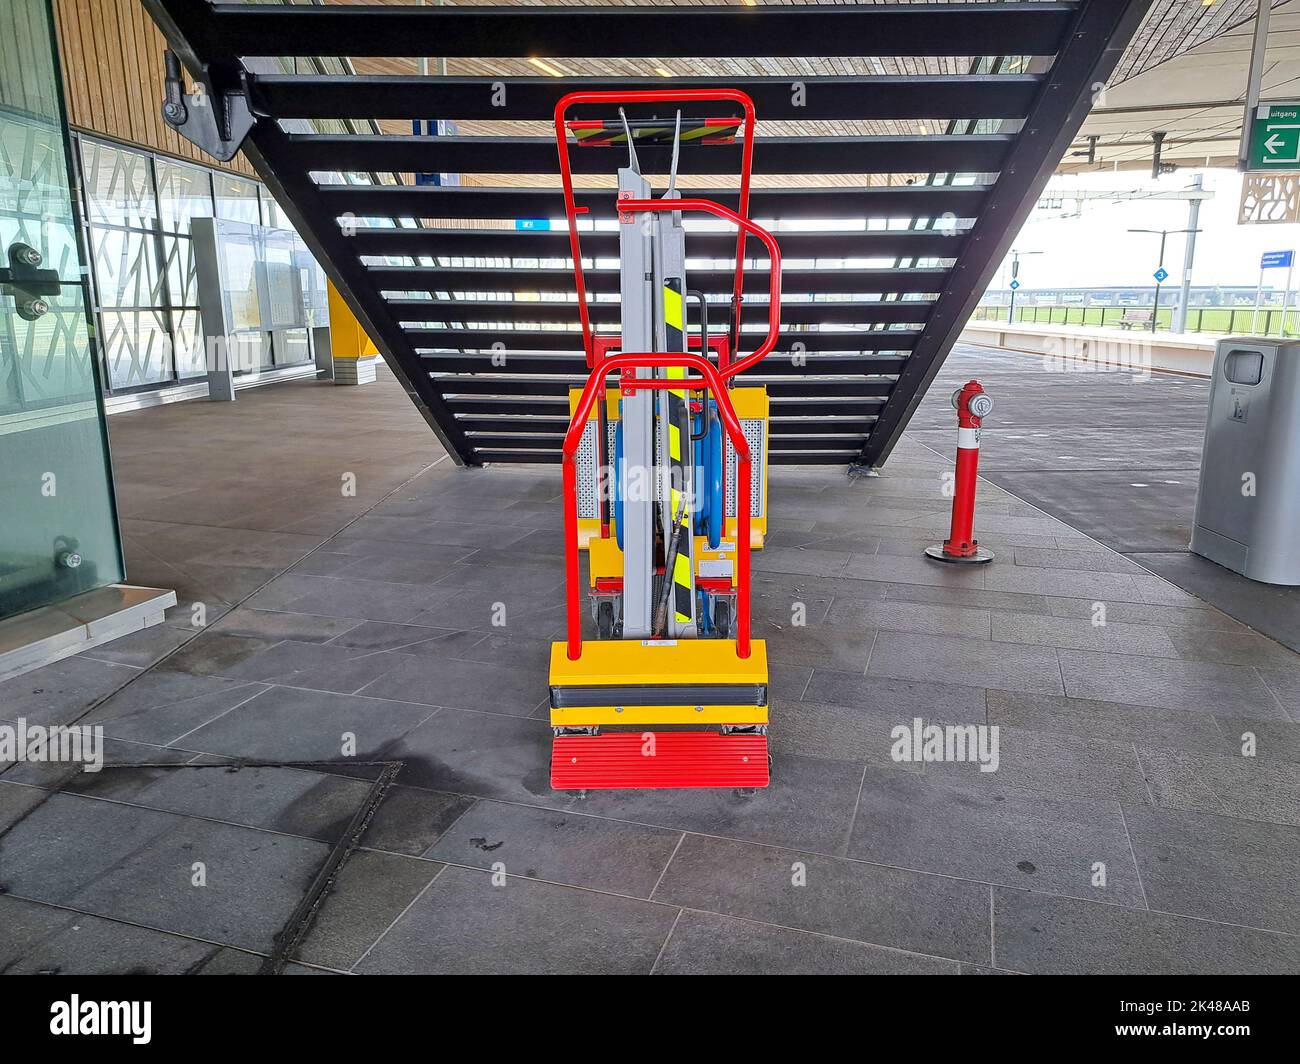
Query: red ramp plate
<point x="658" y="759"/>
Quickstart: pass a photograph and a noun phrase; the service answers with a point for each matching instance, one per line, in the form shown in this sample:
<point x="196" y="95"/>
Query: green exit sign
<point x="1275" y="137"/>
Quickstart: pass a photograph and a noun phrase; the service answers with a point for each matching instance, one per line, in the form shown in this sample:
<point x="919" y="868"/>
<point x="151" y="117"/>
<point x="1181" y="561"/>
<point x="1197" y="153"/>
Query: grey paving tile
<point x="443" y="533"/>
<point x="1218" y="868"/>
<point x="41" y="940"/>
<point x="318" y="666"/>
<point x="913" y="571"/>
<point x="968" y="598"/>
<point x="820" y="645"/>
<point x="1172" y="684"/>
<point x="895" y="700"/>
<point x="1121" y="587"/>
<point x="336" y="597"/>
<point x="143" y="648"/>
<point x="428" y="568"/>
<point x="910" y="617"/>
<point x="460" y="684"/>
<point x="996" y="834"/>
<point x="371" y="891"/>
<point x="61" y="692"/>
<point x="137" y="865"/>
<point x="1040" y="933"/>
<point x="284" y="724"/>
<point x="1114" y="637"/>
<point x="1114" y="721"/>
<point x="976" y="662"/>
<point x="57" y="775"/>
<point x="465" y="925"/>
<point x="160" y="707"/>
<point x="385" y="635"/>
<point x="1254" y="788"/>
<point x="1270" y="738"/>
<point x="1172" y="784"/>
<point x="1103" y="561"/>
<point x="563" y="847"/>
<point x="800" y="560"/>
<point x="16" y="802"/>
<point x="1055" y="764"/>
<point x="294" y="801"/>
<point x="1234" y="648"/>
<point x="809" y="803"/>
<point x="708" y="944"/>
<point x="270" y="625"/>
<point x="932" y="915"/>
<point x="1145" y="613"/>
<point x="487" y="755"/>
<point x="1284" y="684"/>
<point x="1158" y="591"/>
<point x="498" y="648"/>
<point x="411" y="820"/>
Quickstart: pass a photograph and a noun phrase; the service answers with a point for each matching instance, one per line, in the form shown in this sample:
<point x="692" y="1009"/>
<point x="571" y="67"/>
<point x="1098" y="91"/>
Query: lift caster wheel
<point x="605" y="620"/>
<point x="722" y="618"/>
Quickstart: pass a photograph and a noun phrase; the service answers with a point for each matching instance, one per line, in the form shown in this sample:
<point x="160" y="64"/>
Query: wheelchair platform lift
<point x="665" y="487"/>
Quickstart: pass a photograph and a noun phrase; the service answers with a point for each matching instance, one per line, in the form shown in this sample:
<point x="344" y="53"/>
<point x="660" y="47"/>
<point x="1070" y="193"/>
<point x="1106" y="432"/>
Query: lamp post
<point x="1015" y="273"/>
<point x="1160" y="266"/>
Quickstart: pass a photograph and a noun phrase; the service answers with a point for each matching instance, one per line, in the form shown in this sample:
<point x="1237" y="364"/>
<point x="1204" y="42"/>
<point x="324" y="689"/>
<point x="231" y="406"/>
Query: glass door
<point x="58" y="524"/>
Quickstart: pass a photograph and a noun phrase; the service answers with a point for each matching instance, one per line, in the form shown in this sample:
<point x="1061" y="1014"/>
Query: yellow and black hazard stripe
<point x="679" y="452"/>
<point x="603" y="133"/>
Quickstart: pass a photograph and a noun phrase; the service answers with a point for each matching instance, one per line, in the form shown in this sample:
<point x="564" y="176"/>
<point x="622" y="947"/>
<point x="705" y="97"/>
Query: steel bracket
<point x="213" y="118"/>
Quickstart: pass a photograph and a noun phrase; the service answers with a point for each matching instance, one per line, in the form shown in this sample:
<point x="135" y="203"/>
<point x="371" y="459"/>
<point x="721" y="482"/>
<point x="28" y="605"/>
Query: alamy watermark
<point x="920" y="742"/>
<point x="53" y="744"/>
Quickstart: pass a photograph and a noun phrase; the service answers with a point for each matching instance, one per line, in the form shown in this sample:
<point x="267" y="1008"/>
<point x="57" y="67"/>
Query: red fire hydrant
<point x="973" y="405"/>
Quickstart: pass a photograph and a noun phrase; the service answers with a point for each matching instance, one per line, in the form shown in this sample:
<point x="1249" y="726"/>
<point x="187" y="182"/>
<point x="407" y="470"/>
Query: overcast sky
<point x="1095" y="249"/>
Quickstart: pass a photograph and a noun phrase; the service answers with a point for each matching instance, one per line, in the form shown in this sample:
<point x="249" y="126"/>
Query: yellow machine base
<point x="656" y="681"/>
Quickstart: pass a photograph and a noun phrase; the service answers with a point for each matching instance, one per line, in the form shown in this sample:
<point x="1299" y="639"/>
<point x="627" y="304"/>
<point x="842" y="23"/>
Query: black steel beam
<point x="641" y="32"/>
<point x="789" y="204"/>
<point x="878" y="97"/>
<point x="571" y="340"/>
<point x="554" y="243"/>
<point x="834" y="312"/>
<point x="505" y="279"/>
<point x="1098" y="35"/>
<point x="553" y="365"/>
<point x="975" y="154"/>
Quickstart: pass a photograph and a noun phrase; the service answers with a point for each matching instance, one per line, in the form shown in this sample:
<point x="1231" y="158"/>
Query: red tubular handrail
<point x="745" y="226"/>
<point x="709" y="378"/>
<point x="650" y="96"/>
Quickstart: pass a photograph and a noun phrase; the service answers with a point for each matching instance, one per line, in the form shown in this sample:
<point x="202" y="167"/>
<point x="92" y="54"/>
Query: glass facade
<point x="60" y="534"/>
<point x="139" y="208"/>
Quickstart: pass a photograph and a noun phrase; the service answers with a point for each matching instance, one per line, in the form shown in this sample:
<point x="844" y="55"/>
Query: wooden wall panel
<point x="112" y="56"/>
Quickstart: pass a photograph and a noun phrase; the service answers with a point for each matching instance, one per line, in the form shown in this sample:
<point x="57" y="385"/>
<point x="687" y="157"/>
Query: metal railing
<point x="1246" y="321"/>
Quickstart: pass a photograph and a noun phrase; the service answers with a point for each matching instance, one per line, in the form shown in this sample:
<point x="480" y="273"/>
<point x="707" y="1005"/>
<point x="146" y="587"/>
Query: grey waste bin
<point x="1248" y="502"/>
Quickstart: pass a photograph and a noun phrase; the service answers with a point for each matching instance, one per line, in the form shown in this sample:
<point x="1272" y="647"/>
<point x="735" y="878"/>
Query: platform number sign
<point x="1161" y="275"/>
<point x="1275" y="137"/>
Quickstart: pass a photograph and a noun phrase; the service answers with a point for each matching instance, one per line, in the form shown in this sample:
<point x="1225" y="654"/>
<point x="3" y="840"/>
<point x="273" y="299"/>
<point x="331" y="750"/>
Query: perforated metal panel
<point x="753" y="428"/>
<point x="588" y="504"/>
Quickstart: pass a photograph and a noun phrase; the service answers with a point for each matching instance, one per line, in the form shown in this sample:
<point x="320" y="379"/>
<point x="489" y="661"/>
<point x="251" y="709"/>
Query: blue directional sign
<point x="1273" y="259"/>
<point x="1161" y="275"/>
<point x="532" y="223"/>
<point x="1015" y="285"/>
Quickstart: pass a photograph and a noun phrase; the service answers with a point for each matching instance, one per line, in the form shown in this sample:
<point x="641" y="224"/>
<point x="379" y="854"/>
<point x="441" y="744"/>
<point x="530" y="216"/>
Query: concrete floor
<point x="1116" y="456"/>
<point x="359" y="630"/>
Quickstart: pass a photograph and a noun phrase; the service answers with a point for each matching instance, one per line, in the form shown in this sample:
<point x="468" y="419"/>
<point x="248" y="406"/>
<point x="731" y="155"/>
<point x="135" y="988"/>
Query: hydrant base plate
<point x="980" y="556"/>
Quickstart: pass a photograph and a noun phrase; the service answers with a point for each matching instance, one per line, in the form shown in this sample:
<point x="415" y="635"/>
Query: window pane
<point x="182" y="280"/>
<point x="291" y="346"/>
<point x="136" y="348"/>
<point x="237" y="199"/>
<point x="189" y="344"/>
<point x="118" y="187"/>
<point x="184" y="193"/>
<point x="126" y="268"/>
<point x="272" y="216"/>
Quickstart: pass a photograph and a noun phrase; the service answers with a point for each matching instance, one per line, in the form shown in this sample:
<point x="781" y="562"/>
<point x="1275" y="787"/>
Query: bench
<point x="1134" y="316"/>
